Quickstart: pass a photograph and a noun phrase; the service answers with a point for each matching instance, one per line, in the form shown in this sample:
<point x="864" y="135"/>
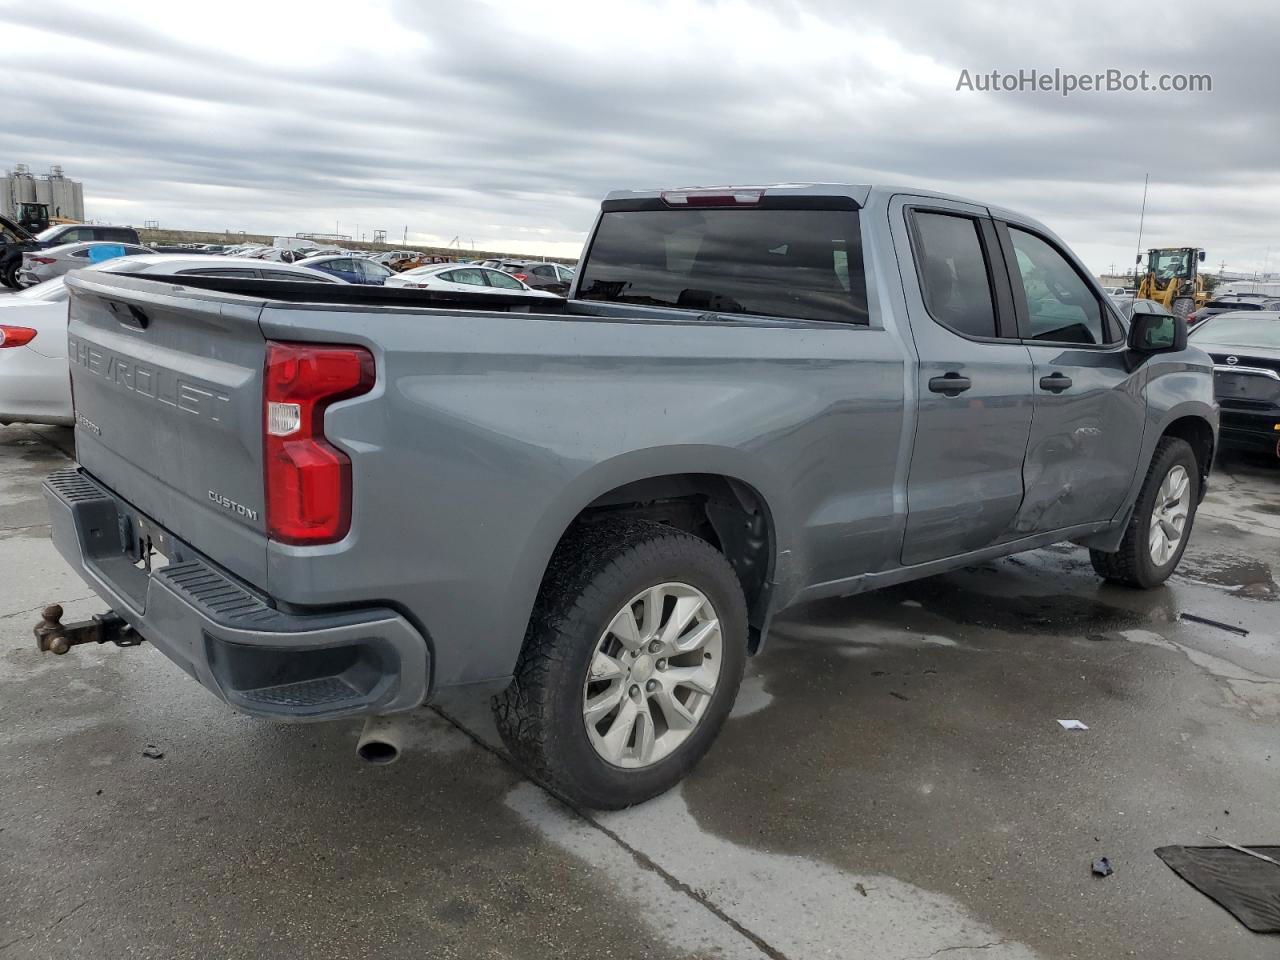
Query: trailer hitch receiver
<point x="54" y="636"/>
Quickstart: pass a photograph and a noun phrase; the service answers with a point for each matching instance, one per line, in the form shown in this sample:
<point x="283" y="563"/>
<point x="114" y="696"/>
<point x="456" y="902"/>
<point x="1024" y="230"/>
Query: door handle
<point x="1055" y="382"/>
<point x="951" y="384"/>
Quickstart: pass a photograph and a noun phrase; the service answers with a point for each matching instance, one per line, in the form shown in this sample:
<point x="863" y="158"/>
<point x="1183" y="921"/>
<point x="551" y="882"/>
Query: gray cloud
<point x="488" y="124"/>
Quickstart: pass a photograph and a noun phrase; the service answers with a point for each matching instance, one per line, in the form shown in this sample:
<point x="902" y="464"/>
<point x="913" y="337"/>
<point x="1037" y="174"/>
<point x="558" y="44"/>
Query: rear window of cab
<point x="803" y="264"/>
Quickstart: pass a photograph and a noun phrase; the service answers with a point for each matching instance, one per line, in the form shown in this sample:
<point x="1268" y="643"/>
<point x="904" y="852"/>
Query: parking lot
<point x="893" y="783"/>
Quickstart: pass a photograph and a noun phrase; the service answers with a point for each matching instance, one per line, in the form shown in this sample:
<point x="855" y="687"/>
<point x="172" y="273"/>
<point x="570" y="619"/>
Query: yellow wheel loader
<point x="1173" y="279"/>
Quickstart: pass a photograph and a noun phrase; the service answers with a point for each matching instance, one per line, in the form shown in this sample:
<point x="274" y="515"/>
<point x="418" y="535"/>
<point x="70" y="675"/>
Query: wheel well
<point x="1199" y="436"/>
<point x="727" y="513"/>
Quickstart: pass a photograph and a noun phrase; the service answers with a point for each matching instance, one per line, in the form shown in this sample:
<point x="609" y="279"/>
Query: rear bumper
<point x="236" y="642"/>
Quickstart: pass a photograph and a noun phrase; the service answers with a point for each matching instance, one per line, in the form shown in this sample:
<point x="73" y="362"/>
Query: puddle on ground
<point x="953" y="598"/>
<point x="752" y="696"/>
<point x="824" y="913"/>
<point x="1244" y="576"/>
<point x="851" y="638"/>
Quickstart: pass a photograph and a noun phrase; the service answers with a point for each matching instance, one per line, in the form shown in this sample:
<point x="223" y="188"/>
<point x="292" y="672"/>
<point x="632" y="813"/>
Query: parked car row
<point x="14" y="247"/>
<point x="34" y="384"/>
<point x="522" y="276"/>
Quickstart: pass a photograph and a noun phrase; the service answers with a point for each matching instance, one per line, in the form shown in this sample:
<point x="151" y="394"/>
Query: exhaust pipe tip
<point x="378" y="751"/>
<point x="380" y="741"/>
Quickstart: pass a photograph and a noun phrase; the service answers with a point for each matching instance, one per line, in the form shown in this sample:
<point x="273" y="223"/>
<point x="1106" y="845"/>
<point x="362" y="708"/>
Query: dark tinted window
<point x="805" y="264"/>
<point x="1060" y="305"/>
<point x="237" y="274"/>
<point x="118" y="236"/>
<point x="953" y="273"/>
<point x="545" y="270"/>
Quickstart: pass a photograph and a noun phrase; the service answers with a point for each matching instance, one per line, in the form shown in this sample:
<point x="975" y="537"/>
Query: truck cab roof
<point x="861" y="194"/>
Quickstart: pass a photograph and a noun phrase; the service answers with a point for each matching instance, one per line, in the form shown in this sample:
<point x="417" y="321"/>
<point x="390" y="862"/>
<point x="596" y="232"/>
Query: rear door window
<point x="472" y="277"/>
<point x="232" y="273"/>
<point x="499" y="279"/>
<point x="1061" y="307"/>
<point x="296" y="278"/>
<point x="373" y="271"/>
<point x="953" y="273"/>
<point x="804" y="264"/>
<point x="340" y="265"/>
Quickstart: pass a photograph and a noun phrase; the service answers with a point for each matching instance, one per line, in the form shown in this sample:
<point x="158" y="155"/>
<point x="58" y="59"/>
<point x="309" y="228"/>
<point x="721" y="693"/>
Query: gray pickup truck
<point x="327" y="502"/>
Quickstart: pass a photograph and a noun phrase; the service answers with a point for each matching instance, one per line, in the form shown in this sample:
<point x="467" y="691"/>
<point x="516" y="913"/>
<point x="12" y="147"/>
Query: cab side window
<point x="953" y="273"/>
<point x="1061" y="307"/>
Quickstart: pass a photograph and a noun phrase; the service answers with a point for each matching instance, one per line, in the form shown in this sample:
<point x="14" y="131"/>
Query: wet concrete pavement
<point x="892" y="784"/>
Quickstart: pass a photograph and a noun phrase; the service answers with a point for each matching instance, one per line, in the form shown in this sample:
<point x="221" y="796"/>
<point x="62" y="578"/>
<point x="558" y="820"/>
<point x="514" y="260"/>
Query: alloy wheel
<point x="1169" y="515"/>
<point x="652" y="675"/>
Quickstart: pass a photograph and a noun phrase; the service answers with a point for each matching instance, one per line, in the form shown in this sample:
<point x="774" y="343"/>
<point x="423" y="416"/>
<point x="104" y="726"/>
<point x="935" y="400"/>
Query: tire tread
<point x="1124" y="566"/>
<point x="591" y="556"/>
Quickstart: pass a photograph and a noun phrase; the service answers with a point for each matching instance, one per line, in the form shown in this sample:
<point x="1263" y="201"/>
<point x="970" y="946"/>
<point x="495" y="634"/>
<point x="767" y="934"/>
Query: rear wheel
<point x="631" y="662"/>
<point x="1161" y="523"/>
<point x="9" y="275"/>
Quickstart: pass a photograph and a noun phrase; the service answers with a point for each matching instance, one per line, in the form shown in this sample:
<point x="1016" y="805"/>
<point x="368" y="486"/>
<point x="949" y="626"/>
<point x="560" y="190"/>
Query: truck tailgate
<point x="167" y="383"/>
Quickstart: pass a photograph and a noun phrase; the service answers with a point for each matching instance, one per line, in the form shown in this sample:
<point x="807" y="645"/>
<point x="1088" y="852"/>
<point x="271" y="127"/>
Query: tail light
<point x="42" y="259"/>
<point x="308" y="480"/>
<point x="522" y="277"/>
<point x="15" y="336"/>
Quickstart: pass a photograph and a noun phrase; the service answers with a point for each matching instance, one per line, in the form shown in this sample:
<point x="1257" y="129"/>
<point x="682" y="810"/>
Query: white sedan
<point x="35" y="384"/>
<point x="464" y="278"/>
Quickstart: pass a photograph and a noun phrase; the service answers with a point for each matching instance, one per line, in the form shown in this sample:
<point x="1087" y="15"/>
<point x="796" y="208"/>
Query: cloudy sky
<point x="504" y="123"/>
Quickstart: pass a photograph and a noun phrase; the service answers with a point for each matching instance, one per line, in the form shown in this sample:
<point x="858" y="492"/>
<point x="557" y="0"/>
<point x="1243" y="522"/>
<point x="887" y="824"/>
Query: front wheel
<point x="9" y="275"/>
<point x="630" y="665"/>
<point x="1161" y="523"/>
<point x="1183" y="306"/>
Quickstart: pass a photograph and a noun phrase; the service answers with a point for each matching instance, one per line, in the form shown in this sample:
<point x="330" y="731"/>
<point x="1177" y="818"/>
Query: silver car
<point x="41" y="265"/>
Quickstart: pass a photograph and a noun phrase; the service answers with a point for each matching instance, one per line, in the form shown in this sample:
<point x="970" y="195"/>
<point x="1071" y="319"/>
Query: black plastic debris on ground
<point x="1244" y="886"/>
<point x="1230" y="628"/>
<point x="1102" y="867"/>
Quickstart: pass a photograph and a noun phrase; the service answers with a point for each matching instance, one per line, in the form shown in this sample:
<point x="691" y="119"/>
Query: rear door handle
<point x="1055" y="382"/>
<point x="951" y="384"/>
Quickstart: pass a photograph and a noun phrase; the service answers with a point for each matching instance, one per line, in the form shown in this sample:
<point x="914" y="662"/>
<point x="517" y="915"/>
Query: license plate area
<point x="148" y="546"/>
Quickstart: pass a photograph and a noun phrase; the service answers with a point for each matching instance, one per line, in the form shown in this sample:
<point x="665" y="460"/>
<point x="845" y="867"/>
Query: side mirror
<point x="1200" y="256"/>
<point x="1138" y="259"/>
<point x="1157" y="333"/>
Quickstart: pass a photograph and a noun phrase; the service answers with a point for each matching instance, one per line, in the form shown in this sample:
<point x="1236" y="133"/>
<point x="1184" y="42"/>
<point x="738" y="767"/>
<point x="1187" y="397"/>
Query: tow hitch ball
<point x="54" y="636"/>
